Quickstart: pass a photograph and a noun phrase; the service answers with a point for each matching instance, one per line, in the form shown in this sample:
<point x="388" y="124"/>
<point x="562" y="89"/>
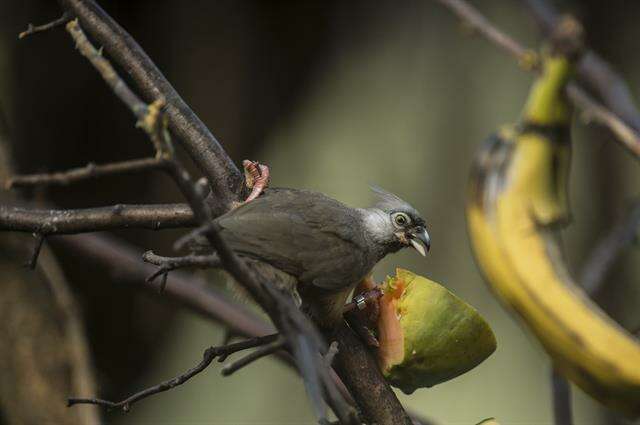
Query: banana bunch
<point x="517" y="202"/>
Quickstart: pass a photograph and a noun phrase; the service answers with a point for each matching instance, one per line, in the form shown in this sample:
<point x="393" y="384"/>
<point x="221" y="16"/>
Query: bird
<point x="318" y="248"/>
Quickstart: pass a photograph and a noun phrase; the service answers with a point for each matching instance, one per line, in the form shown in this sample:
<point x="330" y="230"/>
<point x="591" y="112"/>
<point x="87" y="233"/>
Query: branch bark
<point x="361" y="374"/>
<point x="58" y="222"/>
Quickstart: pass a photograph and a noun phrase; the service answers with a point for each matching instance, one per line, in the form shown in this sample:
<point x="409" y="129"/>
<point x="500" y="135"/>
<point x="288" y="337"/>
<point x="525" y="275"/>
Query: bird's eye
<point x="400" y="219"/>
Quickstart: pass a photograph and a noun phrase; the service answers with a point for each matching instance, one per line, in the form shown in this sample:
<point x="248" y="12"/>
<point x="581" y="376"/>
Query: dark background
<point x="334" y="95"/>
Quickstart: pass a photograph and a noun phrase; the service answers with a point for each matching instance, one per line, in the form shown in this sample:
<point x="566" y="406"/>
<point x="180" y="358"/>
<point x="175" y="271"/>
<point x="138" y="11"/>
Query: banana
<point x="517" y="202"/>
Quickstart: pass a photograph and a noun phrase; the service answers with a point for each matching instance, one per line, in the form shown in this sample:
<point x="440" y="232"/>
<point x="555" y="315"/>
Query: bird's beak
<point x="421" y="241"/>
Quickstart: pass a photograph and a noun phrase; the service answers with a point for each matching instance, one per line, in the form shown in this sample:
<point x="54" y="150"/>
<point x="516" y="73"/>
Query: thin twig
<point x="261" y="352"/>
<point x="167" y="264"/>
<point x="33" y="259"/>
<point x="593" y="71"/>
<point x="57" y="222"/>
<point x="209" y="355"/>
<point x="89" y="171"/>
<point x="608" y="250"/>
<point x="331" y="353"/>
<point x="593" y="111"/>
<point x="478" y="22"/>
<point x="561" y="396"/>
<point x="34" y="29"/>
<point x="625" y="134"/>
<point x="102" y="65"/>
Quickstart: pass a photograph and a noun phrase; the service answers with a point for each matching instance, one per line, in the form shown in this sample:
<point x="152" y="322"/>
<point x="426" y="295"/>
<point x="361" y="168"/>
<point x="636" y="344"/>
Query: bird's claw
<point x="362" y="312"/>
<point x="256" y="178"/>
<point x="363" y="330"/>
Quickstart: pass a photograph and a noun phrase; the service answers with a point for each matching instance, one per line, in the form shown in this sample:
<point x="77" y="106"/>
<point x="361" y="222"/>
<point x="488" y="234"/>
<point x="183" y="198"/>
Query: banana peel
<point x="517" y="202"/>
<point x="427" y="334"/>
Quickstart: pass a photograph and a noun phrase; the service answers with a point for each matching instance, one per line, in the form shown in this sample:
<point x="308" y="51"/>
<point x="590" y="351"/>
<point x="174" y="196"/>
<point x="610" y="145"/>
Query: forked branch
<point x="301" y="336"/>
<point x="34" y="29"/>
<point x="210" y="354"/>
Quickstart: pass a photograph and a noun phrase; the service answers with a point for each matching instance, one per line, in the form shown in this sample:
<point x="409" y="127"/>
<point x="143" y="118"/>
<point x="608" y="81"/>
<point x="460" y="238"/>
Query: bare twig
<point x="224" y="177"/>
<point x="33" y="29"/>
<point x="331" y="353"/>
<point x="561" y="397"/>
<point x="625" y="134"/>
<point x="172" y="263"/>
<point x="167" y="264"/>
<point x="55" y="222"/>
<point x="478" y="22"/>
<point x="593" y="71"/>
<point x="592" y="110"/>
<point x="608" y="250"/>
<point x="89" y="171"/>
<point x="209" y="355"/>
<point x="261" y="352"/>
<point x="37" y="246"/>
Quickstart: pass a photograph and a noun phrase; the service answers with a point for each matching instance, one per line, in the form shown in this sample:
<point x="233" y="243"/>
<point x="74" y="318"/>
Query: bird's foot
<point x="358" y="324"/>
<point x="256" y="178"/>
<point x="363" y="311"/>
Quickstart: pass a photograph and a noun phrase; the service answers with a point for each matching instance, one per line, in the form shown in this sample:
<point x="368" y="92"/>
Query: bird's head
<point x="395" y="224"/>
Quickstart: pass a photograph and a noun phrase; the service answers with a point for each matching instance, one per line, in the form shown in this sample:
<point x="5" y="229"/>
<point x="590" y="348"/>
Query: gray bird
<point x="318" y="247"/>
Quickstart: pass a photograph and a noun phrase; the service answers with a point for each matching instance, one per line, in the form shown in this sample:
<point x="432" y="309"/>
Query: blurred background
<point x="334" y="96"/>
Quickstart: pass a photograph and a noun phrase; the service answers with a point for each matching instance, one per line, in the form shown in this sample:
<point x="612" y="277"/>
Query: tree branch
<point x="625" y="134"/>
<point x="561" y="398"/>
<point x="209" y="355"/>
<point x="57" y="222"/>
<point x="301" y="336"/>
<point x="90" y="171"/>
<point x="593" y="71"/>
<point x="188" y="291"/>
<point x="361" y="374"/>
<point x="167" y="264"/>
<point x="225" y="179"/>
<point x="261" y="352"/>
<point x="34" y="29"/>
<point x="608" y="250"/>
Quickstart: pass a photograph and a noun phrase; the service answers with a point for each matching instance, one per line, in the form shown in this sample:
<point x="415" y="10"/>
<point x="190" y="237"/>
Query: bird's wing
<point x="306" y="234"/>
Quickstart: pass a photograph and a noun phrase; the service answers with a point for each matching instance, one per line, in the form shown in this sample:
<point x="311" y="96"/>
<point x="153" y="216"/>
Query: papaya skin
<point x="427" y="334"/>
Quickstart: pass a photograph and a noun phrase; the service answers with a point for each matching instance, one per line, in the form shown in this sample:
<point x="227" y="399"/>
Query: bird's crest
<point x="387" y="201"/>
